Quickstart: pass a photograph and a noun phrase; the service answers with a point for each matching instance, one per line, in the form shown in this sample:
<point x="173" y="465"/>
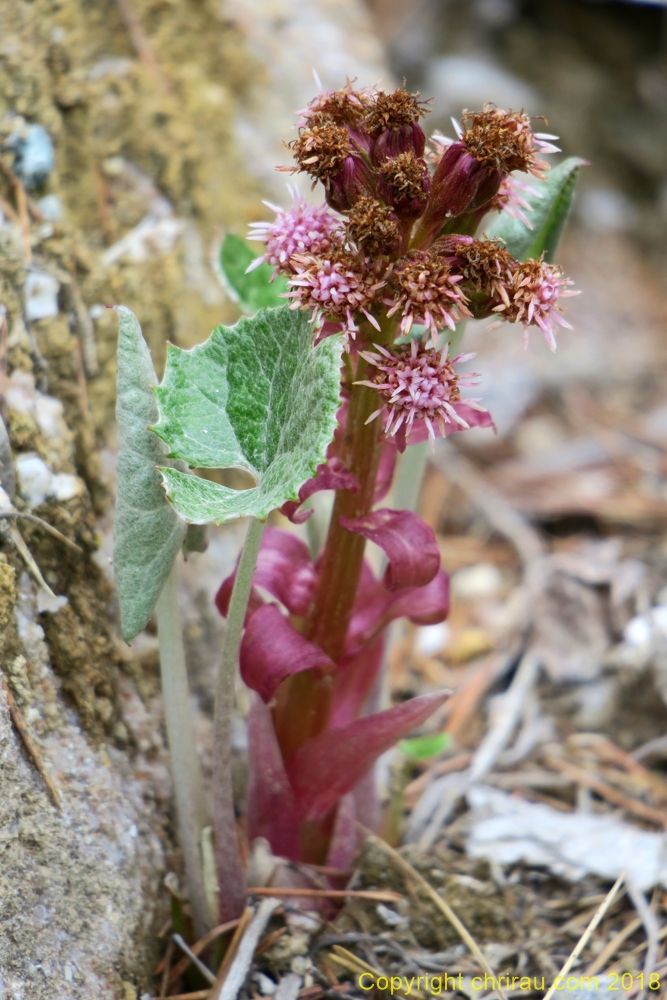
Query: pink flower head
<point x="418" y="383"/>
<point x="426" y="292"/>
<point x="301" y="229"/>
<point x="511" y="201"/>
<point x="335" y="287"/>
<point x="533" y="298"/>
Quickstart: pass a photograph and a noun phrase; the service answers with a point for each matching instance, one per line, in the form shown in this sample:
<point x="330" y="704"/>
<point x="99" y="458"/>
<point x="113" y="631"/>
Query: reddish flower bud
<point x="461" y="184"/>
<point x="354" y="181"/>
<point x="392" y="142"/>
<point x="392" y="122"/>
<point x="492" y="143"/>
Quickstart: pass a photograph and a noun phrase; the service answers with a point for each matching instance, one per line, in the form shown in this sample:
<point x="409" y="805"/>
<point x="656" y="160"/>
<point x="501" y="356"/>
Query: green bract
<point x="256" y="396"/>
<point x="250" y="291"/>
<point x="425" y="747"/>
<point x="551" y="207"/>
<point x="147" y="531"/>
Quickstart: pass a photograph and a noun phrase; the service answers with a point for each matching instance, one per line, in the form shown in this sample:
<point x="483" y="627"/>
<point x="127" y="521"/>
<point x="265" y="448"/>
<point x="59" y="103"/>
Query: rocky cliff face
<point x="157" y="128"/>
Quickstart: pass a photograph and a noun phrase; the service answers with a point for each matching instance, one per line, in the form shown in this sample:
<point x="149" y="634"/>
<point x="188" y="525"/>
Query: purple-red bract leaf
<point x="385" y="474"/>
<point x="376" y="607"/>
<point x="270" y="809"/>
<point x="272" y="649"/>
<point x="419" y="430"/>
<point x="366" y="803"/>
<point x="354" y="679"/>
<point x="331" y="475"/>
<point x="422" y="605"/>
<point x="410" y="545"/>
<point x="330" y="765"/>
<point x="224" y="595"/>
<point x="343" y="843"/>
<point x="284" y="568"/>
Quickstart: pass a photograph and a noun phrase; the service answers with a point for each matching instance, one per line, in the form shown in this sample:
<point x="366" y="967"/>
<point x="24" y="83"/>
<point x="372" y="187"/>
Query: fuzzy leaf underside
<point x="551" y="208"/>
<point x="147" y="530"/>
<point x="253" y="291"/>
<point x="256" y="396"/>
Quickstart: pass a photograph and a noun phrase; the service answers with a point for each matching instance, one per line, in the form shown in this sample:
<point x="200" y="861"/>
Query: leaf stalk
<point x="186" y="769"/>
<point x="229" y="864"/>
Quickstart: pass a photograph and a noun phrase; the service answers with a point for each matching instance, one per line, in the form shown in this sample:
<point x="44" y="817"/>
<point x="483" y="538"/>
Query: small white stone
<point x="49" y="415"/>
<point x="51" y="207"/>
<point x="65" y="486"/>
<point x="641" y="630"/>
<point x="266" y="985"/>
<point x="34" y="478"/>
<point x="432" y="639"/>
<point x="5" y="501"/>
<point x="41" y="295"/>
<point x="390" y="917"/>
<point x="50" y="604"/>
<point x="482" y="580"/>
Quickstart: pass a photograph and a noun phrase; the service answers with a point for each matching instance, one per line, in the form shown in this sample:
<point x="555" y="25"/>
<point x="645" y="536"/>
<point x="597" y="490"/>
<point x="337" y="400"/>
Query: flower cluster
<point x="391" y="260"/>
<point x="394" y="237"/>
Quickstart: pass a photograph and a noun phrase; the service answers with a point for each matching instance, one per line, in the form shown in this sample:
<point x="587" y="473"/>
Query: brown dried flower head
<point x="426" y="291"/>
<point x="321" y="147"/>
<point x="372" y="227"/>
<point x="405" y="178"/>
<point x="345" y="106"/>
<point x="394" y="111"/>
<point x="503" y="140"/>
<point x="484" y="264"/>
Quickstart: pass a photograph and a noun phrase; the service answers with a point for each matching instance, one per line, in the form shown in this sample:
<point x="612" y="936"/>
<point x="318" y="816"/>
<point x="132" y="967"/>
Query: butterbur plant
<point x="349" y="364"/>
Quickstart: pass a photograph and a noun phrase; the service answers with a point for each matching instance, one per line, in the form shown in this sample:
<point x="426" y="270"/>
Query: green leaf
<point x="147" y="531"/>
<point x="425" y="747"/>
<point x="551" y="207"/>
<point x="256" y="396"/>
<point x="253" y="291"/>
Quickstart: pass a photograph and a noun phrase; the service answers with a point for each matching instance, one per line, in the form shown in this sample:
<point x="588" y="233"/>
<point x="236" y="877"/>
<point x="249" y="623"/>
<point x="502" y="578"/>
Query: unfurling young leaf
<point x="253" y="291"/>
<point x="147" y="531"/>
<point x="425" y="747"/>
<point x="550" y="209"/>
<point x="256" y="396"/>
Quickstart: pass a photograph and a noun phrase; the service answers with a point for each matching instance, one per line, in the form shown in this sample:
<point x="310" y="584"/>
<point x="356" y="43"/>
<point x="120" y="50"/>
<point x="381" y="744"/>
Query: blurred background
<point x="141" y="131"/>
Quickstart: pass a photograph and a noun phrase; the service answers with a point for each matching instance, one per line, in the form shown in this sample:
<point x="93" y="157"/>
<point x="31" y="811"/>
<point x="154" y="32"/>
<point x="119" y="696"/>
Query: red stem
<point x="306" y="697"/>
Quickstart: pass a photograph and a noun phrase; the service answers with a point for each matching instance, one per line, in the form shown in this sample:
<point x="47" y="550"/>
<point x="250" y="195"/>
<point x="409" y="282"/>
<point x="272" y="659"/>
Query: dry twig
<point x="585" y="937"/>
<point x="612" y="947"/>
<point x="168" y="955"/>
<point x="650" y="923"/>
<point x="377" y="897"/>
<point x="228" y="985"/>
<point x="31" y="746"/>
<point x="443" y="906"/>
<point x="489" y="749"/>
<point x="25" y="516"/>
<point x="199" y="946"/>
<point x="605" y="791"/>
<point x="197" y="995"/>
<point x="230" y="954"/>
<point x="142" y="46"/>
<point x="197" y="962"/>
